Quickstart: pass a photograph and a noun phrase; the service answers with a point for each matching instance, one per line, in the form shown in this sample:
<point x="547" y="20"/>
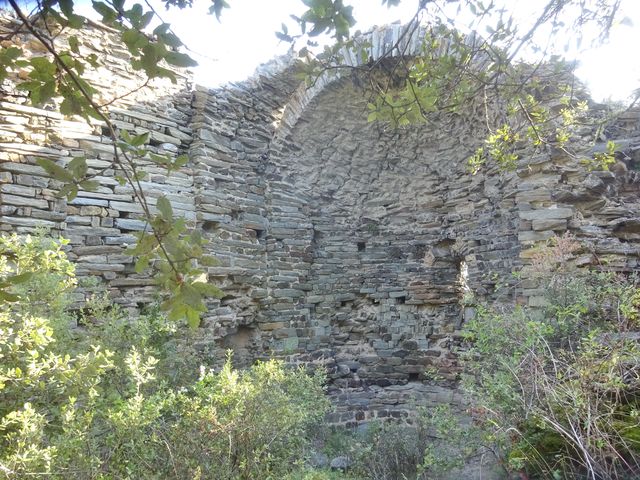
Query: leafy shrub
<point x="436" y="442"/>
<point x="98" y="401"/>
<point x="559" y="389"/>
<point x="311" y="474"/>
<point x="392" y="451"/>
<point x="40" y="385"/>
<point x="38" y="272"/>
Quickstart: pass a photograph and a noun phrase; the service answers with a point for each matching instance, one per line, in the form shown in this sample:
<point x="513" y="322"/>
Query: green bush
<point x="312" y="474"/>
<point x="392" y="450"/>
<point x="103" y="400"/>
<point x="437" y="441"/>
<point x="558" y="389"/>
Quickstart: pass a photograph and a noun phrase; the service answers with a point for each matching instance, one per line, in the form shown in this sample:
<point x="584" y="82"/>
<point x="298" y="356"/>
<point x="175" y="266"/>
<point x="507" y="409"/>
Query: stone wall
<point x="99" y="224"/>
<point x="341" y="243"/>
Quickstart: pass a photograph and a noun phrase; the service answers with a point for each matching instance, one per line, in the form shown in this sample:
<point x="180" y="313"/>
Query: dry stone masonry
<point x="341" y="243"/>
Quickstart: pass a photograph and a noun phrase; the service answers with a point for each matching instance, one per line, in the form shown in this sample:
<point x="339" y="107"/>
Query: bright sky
<point x="232" y="49"/>
<point x="245" y="37"/>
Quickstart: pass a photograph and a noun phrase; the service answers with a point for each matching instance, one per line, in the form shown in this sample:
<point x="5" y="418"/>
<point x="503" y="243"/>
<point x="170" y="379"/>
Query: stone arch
<point x="379" y="222"/>
<point x="362" y="231"/>
<point x="388" y="41"/>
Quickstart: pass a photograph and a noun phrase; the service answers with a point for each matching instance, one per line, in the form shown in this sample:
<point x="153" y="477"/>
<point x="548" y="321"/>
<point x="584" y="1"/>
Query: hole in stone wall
<point x="241" y="339"/>
<point x="401" y="300"/>
<point x="463" y="277"/>
<point x="362" y="246"/>
<point x="225" y="300"/>
<point x="210" y="226"/>
<point x="414" y="377"/>
<point x="467" y="311"/>
<point x="85" y="316"/>
<point x="446" y="243"/>
<point x="419" y="251"/>
<point x="260" y="234"/>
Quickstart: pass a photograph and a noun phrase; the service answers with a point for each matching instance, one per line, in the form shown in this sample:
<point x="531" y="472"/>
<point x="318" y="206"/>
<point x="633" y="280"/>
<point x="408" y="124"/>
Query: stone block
<point x="269" y="326"/>
<point x="535" y="236"/>
<point x="549" y="224"/>
<point x="131" y="224"/>
<point x="24" y="201"/>
<point x="546" y="214"/>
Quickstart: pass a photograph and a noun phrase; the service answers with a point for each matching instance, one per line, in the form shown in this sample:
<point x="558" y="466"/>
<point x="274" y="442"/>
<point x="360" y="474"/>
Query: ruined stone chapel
<point x="340" y="242"/>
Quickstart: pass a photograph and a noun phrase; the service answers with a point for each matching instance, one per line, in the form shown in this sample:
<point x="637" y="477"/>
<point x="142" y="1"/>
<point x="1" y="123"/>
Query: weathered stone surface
<point x="547" y="214"/>
<point x="340" y="463"/>
<point x="549" y="224"/>
<point x="340" y="244"/>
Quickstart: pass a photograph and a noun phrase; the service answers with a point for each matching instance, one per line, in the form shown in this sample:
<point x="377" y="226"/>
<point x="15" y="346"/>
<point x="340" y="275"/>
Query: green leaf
<point x="79" y="66"/>
<point x="163" y="72"/>
<point x="70" y="190"/>
<point x="75" y="21"/>
<point x="9" y="297"/>
<point x="66" y="6"/>
<point x="207" y="290"/>
<point x="177" y="310"/>
<point x="47" y="90"/>
<point x="146" y="19"/>
<point x="284" y="37"/>
<point x="21" y="278"/>
<point x="135" y="14"/>
<point x="78" y="167"/>
<point x="141" y="264"/>
<point x="92" y="59"/>
<point x="216" y="8"/>
<point x="42" y="68"/>
<point x="192" y="297"/>
<point x="181" y="161"/>
<point x="170" y="39"/>
<point x="134" y="40"/>
<point x="71" y="106"/>
<point x="151" y="55"/>
<point x="164" y="207"/>
<point x="208" y="261"/>
<point x="108" y="14"/>
<point x="89" y="185"/>
<point x="139" y="140"/>
<point x="193" y="318"/>
<point x="180" y="60"/>
<point x="161" y="29"/>
<point x="140" y="175"/>
<point x="162" y="160"/>
<point x="11" y="53"/>
<point x="56" y="171"/>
